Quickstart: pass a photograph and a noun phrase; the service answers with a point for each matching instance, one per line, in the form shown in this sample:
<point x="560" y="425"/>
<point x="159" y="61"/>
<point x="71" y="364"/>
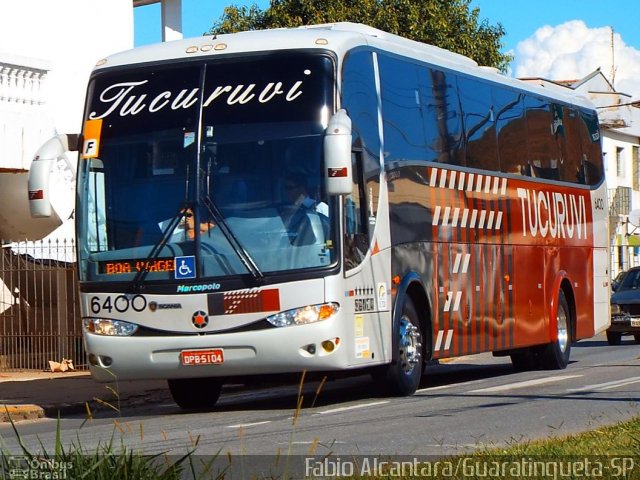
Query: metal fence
<point x="39" y="309"/>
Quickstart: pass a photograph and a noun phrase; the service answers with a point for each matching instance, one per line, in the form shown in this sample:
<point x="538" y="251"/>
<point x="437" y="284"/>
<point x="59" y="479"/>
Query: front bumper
<point x="277" y="350"/>
<point x="624" y="324"/>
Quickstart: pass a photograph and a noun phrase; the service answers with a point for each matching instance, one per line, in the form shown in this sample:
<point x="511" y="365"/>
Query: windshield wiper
<point x="217" y="216"/>
<point x="136" y="283"/>
<point x="239" y="250"/>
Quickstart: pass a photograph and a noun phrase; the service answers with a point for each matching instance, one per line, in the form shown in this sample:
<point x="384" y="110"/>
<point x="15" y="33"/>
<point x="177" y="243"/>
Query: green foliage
<point x="450" y="24"/>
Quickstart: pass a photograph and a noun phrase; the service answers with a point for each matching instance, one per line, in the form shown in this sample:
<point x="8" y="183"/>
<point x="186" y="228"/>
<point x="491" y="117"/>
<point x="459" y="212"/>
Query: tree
<point x="449" y="24"/>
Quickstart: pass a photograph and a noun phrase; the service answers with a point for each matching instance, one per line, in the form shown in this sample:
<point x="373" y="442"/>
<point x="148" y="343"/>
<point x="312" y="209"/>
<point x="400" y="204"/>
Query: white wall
<point x="47" y="51"/>
<point x="69" y="36"/>
<point x="24" y="115"/>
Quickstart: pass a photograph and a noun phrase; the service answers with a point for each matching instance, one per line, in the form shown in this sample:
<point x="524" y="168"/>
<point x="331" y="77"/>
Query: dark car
<point x="615" y="283"/>
<point x="625" y="308"/>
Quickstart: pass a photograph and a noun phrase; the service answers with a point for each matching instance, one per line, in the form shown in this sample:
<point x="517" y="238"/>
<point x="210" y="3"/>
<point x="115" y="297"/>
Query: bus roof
<point x="337" y="37"/>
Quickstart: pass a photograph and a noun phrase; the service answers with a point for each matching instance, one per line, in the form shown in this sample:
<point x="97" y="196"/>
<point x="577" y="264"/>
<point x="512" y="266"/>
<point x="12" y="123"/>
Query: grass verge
<point x="604" y="452"/>
<point x="586" y="455"/>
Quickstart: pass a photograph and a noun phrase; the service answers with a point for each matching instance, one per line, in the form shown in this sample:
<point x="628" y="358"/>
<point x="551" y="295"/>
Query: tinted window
<point x="542" y="153"/>
<point x="479" y="123"/>
<point x="631" y="281"/>
<point x="592" y="168"/>
<point x="152" y="183"/>
<point x="570" y="147"/>
<point x="360" y="99"/>
<point x="442" y="120"/>
<point x="401" y="110"/>
<point x="146" y="149"/>
<point x="510" y="130"/>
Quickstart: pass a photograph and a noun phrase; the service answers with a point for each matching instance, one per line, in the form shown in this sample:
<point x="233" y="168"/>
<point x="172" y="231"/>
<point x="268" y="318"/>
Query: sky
<point x="553" y="39"/>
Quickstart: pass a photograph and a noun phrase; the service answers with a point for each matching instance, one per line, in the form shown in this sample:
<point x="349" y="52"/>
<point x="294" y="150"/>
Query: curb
<point x="18" y="413"/>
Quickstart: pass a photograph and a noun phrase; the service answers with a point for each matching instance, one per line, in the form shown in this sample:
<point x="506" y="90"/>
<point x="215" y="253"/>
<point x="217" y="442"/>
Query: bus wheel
<point x="636" y="337"/>
<point x="403" y="375"/>
<point x="523" y="360"/>
<point x="195" y="393"/>
<point x="555" y="355"/>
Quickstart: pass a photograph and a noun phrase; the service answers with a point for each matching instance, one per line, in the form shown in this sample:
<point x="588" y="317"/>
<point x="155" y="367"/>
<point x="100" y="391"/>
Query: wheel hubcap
<point x="410" y="345"/>
<point x="563" y="331"/>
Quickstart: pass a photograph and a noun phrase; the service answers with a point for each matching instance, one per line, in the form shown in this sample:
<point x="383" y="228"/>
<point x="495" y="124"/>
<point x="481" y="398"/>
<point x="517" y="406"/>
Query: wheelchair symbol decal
<point x="185" y="267"/>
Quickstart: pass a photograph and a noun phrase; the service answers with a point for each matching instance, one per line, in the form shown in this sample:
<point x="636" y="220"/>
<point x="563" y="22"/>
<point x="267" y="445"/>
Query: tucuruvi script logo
<point x="553" y="214"/>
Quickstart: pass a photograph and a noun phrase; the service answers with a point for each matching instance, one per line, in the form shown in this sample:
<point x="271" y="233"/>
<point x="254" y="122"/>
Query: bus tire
<point x="195" y="393"/>
<point x="555" y="355"/>
<point x="523" y="360"/>
<point x="402" y="376"/>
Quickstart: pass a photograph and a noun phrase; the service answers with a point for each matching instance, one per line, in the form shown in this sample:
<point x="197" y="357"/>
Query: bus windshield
<point x="206" y="169"/>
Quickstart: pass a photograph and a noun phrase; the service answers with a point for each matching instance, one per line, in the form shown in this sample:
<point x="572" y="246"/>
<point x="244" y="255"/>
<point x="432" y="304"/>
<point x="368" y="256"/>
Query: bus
<point x="439" y="209"/>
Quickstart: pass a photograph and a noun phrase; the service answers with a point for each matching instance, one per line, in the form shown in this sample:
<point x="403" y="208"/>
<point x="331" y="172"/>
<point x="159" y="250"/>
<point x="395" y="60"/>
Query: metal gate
<point x="39" y="310"/>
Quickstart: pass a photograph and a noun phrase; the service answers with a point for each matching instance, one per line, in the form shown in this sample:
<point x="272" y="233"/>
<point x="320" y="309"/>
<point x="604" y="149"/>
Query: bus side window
<point x="359" y="97"/>
<point x="543" y="154"/>
<point x="479" y="123"/>
<point x="592" y="166"/>
<point x="402" y="112"/>
<point x="442" y="119"/>
<point x="510" y="130"/>
<point x="356" y="216"/>
<point x="570" y="169"/>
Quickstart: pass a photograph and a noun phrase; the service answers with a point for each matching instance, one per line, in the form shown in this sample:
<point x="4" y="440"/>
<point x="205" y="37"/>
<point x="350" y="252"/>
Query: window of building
<point x="635" y="165"/>
<point x="620" y="161"/>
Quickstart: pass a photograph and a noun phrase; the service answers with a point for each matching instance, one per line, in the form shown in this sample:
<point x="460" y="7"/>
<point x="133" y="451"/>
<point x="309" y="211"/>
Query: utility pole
<point x="612" y="76"/>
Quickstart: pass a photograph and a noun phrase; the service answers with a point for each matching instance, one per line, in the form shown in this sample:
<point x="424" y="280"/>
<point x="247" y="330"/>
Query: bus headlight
<point x="112" y="328"/>
<point x="304" y="315"/>
<point x="615" y="309"/>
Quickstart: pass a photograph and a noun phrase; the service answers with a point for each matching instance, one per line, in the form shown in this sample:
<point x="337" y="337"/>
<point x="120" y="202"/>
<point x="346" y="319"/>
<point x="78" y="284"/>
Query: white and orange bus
<point x="330" y="198"/>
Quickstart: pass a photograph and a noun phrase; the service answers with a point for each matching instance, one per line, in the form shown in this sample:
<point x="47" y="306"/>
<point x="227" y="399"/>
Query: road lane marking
<point x="607" y="385"/>
<point x="243" y="425"/>
<point x="528" y="383"/>
<point x="440" y="387"/>
<point x="306" y="442"/>
<point x="352" y="407"/>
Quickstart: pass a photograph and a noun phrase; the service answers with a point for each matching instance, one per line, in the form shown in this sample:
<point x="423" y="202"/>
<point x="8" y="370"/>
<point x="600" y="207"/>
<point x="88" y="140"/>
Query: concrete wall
<point x="70" y="36"/>
<point x="47" y="51"/>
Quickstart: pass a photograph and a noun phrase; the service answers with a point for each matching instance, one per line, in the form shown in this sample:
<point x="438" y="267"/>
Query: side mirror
<point x="43" y="165"/>
<point x="337" y="155"/>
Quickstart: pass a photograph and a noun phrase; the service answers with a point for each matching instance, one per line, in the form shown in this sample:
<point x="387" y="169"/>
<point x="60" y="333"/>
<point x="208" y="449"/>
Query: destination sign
<point x="118" y="267"/>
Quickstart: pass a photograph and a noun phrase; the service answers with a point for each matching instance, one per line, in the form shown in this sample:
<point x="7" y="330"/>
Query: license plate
<point x="213" y="356"/>
<point x="635" y="322"/>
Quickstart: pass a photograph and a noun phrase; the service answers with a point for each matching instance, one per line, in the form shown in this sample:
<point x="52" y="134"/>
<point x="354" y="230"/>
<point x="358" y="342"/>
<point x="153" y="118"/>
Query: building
<point x="47" y="51"/>
<point x="25" y="121"/>
<point x="619" y="116"/>
<point x="45" y="61"/>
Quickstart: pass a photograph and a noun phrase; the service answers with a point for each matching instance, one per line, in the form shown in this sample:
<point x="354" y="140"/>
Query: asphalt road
<point x="472" y="402"/>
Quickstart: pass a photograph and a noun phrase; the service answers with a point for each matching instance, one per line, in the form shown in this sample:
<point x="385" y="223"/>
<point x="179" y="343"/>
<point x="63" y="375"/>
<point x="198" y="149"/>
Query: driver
<point x="188" y="224"/>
